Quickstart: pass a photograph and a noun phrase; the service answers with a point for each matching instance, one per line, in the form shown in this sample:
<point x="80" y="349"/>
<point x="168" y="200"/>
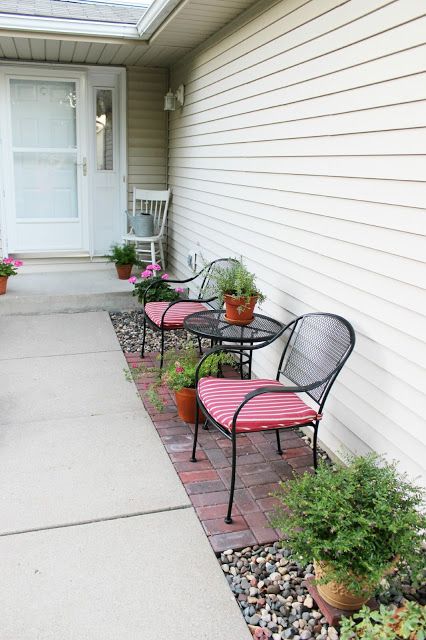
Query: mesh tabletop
<point x="211" y="324"/>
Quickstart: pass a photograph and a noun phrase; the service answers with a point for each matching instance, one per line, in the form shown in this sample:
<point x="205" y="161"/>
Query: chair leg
<point x="200" y="351"/>
<point x="153" y="257"/>
<point x="143" y="338"/>
<point x="279" y="450"/>
<point x="228" y="518"/>
<point x="163" y="262"/>
<point x="194" y="447"/>
<point x="315" y="445"/>
<point x="162" y="349"/>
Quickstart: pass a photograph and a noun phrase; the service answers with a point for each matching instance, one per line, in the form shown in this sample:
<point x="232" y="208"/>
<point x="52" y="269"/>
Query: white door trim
<point x="83" y="73"/>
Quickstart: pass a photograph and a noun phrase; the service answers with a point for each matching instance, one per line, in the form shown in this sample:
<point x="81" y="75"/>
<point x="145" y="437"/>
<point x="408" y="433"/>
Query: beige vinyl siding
<point x="301" y="146"/>
<point x="146" y="129"/>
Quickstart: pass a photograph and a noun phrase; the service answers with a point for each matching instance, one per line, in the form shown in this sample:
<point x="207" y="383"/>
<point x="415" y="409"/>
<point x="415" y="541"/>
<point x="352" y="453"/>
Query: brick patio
<point x="259" y="470"/>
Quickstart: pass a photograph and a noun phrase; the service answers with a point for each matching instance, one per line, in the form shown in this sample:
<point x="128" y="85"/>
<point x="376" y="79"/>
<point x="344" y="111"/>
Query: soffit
<point x="190" y="24"/>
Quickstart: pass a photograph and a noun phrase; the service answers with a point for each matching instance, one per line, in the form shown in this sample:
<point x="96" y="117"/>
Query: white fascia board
<point x="68" y="26"/>
<point x="155" y="16"/>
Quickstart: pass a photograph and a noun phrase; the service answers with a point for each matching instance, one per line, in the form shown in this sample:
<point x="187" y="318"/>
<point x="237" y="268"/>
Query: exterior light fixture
<point x="174" y="100"/>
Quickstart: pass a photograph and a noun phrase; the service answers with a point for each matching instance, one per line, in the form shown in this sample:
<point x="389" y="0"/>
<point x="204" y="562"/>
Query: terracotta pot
<point x="336" y="594"/>
<point x="185" y="401"/>
<point x="124" y="271"/>
<point x="3" y="284"/>
<point x="239" y="310"/>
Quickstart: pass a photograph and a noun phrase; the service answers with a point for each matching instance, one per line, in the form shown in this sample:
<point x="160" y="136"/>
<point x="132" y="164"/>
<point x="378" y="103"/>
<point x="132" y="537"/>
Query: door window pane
<point x="104" y="132"/>
<point x="44" y="138"/>
<point x="43" y="114"/>
<point x="45" y="185"/>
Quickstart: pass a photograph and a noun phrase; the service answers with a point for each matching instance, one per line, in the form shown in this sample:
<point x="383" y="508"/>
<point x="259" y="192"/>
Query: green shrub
<point x="357" y="518"/>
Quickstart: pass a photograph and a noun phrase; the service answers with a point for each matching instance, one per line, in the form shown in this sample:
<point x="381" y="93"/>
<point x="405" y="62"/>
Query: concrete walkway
<point x="98" y="540"/>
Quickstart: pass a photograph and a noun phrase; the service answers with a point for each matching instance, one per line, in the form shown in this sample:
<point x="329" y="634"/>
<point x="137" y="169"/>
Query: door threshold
<point x="59" y="256"/>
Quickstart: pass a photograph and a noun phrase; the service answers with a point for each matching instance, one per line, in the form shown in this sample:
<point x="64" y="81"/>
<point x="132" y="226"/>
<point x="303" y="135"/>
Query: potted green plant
<point x="8" y="267"/>
<point x="236" y="287"/>
<point x="162" y="292"/>
<point x="179" y="375"/>
<point x="124" y="257"/>
<point x="357" y="522"/>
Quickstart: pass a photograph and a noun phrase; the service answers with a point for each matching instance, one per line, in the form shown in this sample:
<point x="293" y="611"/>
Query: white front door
<point x="63" y="159"/>
<point x="47" y="164"/>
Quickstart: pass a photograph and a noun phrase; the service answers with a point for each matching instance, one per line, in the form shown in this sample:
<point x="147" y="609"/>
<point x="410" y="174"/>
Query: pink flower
<point x="150" y="267"/>
<point x="155" y="267"/>
<point x="18" y="263"/>
<point x="179" y="289"/>
<point x="8" y="260"/>
<point x="165" y="276"/>
<point x="179" y="369"/>
<point x="146" y="274"/>
<point x="133" y="280"/>
<point x="134" y="365"/>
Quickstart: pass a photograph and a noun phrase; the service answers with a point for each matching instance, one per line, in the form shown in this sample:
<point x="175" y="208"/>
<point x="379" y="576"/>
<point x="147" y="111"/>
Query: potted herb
<point x="235" y="286"/>
<point x="179" y="375"/>
<point x="124" y="257"/>
<point x="8" y="267"/>
<point x="357" y="522"/>
<point x="162" y="292"/>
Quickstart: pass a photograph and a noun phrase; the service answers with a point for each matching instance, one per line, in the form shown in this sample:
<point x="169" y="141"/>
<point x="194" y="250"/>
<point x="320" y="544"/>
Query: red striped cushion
<point x="175" y="316"/>
<point x="221" y="397"/>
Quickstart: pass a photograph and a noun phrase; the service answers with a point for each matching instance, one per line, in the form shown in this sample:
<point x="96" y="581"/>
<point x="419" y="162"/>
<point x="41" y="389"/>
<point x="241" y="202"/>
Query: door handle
<point x="84" y="165"/>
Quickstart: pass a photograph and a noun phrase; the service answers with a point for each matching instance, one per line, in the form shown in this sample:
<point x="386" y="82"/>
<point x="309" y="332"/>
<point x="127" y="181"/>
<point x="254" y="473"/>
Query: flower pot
<point x="124" y="271"/>
<point x="239" y="310"/>
<point x="142" y="224"/>
<point x="186" y="405"/>
<point x="3" y="284"/>
<point x="336" y="594"/>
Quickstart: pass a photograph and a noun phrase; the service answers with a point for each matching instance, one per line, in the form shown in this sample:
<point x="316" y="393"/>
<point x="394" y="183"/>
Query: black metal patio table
<point x="211" y="324"/>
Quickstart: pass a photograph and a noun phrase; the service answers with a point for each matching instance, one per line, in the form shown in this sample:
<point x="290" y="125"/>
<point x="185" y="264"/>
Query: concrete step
<point x="66" y="288"/>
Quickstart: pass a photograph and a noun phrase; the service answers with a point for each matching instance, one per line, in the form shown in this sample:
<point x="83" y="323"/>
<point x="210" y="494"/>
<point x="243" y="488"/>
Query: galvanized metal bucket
<point x="142" y="224"/>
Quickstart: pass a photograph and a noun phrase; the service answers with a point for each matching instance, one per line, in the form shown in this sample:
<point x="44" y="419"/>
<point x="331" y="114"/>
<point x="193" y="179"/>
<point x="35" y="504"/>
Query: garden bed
<point x="267" y="582"/>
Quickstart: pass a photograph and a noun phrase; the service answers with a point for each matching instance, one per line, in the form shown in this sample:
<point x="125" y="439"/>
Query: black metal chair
<point x="316" y="350"/>
<point x="168" y="316"/>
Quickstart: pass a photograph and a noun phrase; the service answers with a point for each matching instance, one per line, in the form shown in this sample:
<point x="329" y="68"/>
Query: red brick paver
<point x="259" y="469"/>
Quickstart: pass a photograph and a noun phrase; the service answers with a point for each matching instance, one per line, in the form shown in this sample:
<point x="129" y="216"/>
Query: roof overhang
<point x="66" y="26"/>
<point x="168" y="30"/>
<point x="155" y="16"/>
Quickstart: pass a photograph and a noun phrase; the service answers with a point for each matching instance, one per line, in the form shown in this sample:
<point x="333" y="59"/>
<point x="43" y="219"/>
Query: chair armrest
<point x="263" y="390"/>
<point x="235" y="348"/>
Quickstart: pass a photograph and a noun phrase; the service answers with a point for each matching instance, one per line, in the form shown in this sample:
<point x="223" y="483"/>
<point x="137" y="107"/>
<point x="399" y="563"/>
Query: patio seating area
<point x="207" y="483"/>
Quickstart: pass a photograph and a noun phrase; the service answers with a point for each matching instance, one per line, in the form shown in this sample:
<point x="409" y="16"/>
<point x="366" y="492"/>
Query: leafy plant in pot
<point x="358" y="522"/>
<point x="8" y="267"/>
<point x="179" y="375"/>
<point x="236" y="287"/>
<point x="124" y="257"/>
